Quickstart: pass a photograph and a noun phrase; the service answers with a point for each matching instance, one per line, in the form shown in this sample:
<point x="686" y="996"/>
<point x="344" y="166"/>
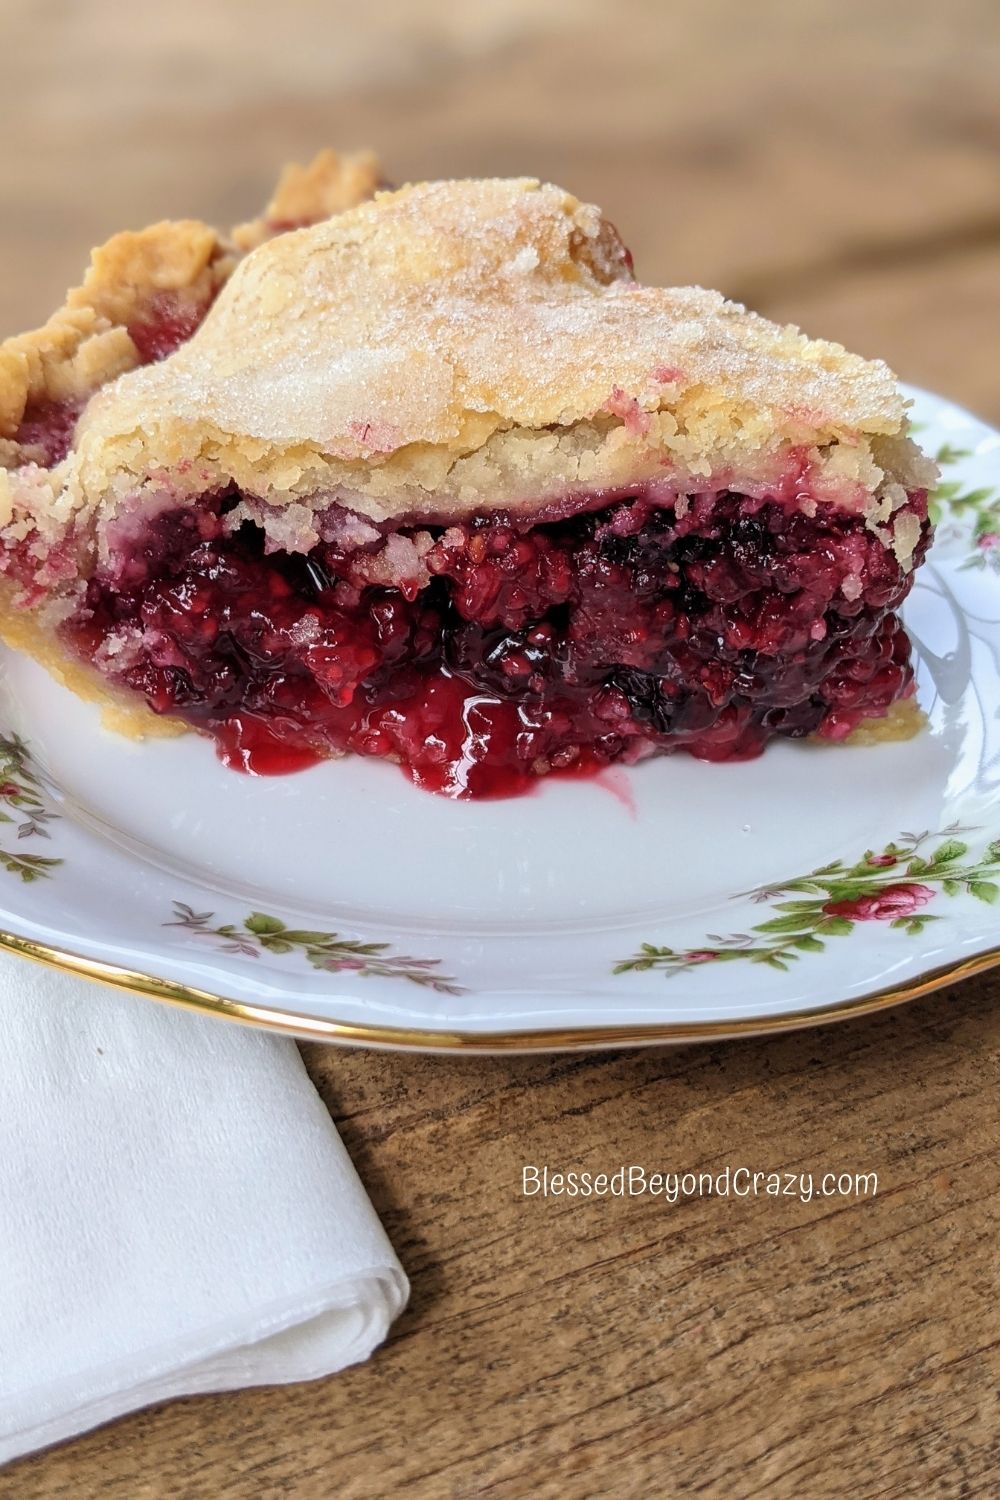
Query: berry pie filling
<point x="46" y="429"/>
<point x="166" y="322"/>
<point x="483" y="655"/>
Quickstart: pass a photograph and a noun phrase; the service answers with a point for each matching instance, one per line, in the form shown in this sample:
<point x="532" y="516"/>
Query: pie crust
<point x="450" y="362"/>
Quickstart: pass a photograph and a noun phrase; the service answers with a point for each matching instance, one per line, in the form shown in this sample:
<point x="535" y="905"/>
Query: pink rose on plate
<point x="882" y="861"/>
<point x="883" y="906"/>
<point x="989" y="541"/>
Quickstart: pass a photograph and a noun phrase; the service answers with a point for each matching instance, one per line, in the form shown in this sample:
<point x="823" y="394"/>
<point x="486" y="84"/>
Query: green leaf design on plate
<point x="952" y="502"/>
<point x="893" y="886"/>
<point x="328" y="951"/>
<point x="23" y="801"/>
<point x="260" y="924"/>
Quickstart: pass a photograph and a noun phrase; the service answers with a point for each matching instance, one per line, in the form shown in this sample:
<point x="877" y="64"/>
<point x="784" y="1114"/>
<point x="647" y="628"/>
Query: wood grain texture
<point x="835" y="164"/>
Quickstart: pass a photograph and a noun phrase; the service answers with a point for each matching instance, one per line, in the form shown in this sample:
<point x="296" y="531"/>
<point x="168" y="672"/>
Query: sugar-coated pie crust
<point x="453" y="402"/>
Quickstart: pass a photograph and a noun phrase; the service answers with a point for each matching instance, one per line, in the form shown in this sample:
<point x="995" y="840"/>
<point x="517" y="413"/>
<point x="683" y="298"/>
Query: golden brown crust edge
<point x="123" y="711"/>
<point x="329" y="184"/>
<point x="86" y="342"/>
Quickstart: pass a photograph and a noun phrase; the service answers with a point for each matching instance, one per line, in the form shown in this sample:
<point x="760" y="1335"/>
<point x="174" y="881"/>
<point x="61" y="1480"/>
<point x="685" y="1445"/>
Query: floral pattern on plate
<point x="958" y="508"/>
<point x="329" y="951"/>
<point x="23" y="802"/>
<point x="893" y="886"/>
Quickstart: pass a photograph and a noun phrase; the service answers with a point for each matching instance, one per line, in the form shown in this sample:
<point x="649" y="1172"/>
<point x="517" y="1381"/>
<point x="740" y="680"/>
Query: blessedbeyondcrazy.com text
<point x="732" y="1182"/>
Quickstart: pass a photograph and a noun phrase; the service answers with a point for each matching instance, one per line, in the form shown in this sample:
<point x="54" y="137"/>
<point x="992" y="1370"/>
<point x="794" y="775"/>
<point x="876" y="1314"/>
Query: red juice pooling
<point x="510" y="653"/>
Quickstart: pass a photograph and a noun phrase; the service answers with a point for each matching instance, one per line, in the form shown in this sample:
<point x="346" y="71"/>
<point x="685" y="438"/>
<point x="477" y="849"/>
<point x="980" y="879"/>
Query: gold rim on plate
<point x="553" y="1039"/>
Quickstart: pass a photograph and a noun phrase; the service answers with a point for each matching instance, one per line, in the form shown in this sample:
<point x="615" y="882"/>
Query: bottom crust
<point x="122" y="712"/>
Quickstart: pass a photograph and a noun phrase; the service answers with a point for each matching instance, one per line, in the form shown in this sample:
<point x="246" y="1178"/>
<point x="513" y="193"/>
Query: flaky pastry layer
<point x="445" y="350"/>
<point x="86" y="344"/>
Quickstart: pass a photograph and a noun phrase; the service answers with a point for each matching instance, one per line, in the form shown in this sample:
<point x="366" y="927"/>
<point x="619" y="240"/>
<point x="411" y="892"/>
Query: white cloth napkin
<point x="177" y="1212"/>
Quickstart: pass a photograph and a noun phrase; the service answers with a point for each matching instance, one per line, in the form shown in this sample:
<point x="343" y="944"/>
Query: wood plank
<point x="836" y="166"/>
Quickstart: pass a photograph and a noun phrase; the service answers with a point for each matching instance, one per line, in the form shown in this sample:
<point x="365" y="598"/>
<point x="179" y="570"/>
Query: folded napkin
<point x="177" y="1212"/>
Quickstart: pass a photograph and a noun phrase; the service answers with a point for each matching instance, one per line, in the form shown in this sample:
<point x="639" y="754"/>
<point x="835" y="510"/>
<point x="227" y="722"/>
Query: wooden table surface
<point x="836" y="164"/>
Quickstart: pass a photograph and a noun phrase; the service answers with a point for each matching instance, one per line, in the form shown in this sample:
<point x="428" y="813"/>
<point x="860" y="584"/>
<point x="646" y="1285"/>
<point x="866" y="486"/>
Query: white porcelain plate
<point x="671" y="902"/>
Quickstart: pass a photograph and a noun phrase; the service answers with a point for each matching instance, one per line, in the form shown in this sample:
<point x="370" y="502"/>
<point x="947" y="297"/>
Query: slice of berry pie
<point x="437" y="480"/>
